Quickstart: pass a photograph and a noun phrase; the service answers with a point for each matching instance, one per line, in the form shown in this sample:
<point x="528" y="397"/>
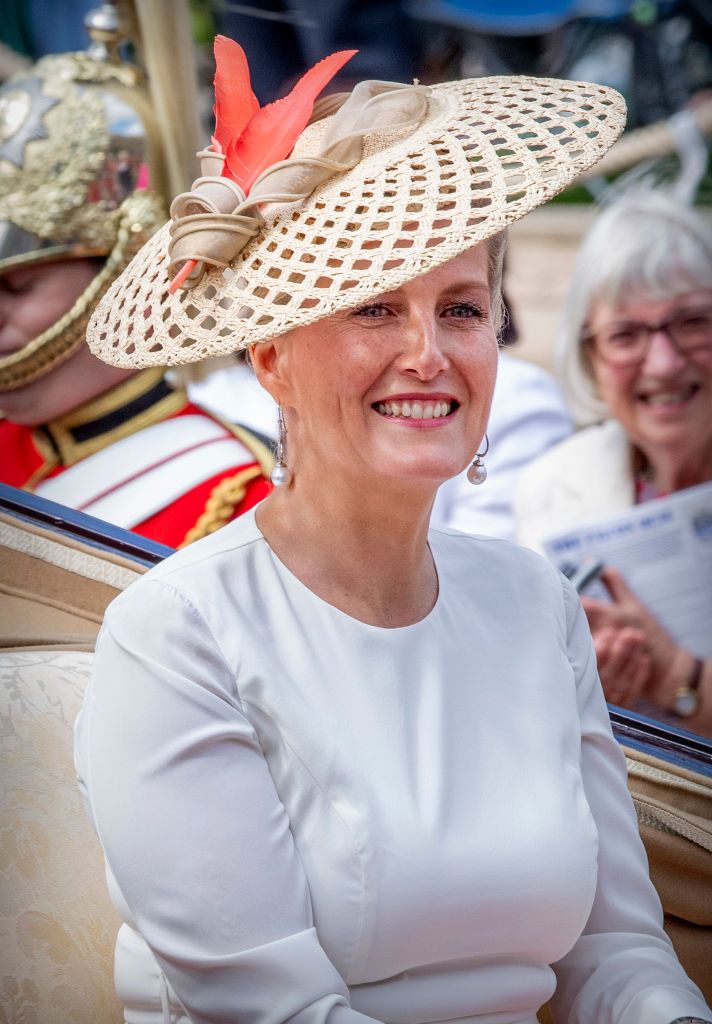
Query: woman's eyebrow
<point x="467" y="285"/>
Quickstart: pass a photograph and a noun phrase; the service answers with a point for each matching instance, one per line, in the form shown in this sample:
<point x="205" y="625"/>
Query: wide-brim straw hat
<point x="485" y="152"/>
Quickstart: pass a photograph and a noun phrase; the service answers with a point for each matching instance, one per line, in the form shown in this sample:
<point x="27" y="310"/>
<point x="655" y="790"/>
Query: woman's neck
<point x="361" y="548"/>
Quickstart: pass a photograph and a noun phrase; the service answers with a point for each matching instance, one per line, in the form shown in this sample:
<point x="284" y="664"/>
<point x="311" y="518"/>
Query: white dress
<point x="309" y="819"/>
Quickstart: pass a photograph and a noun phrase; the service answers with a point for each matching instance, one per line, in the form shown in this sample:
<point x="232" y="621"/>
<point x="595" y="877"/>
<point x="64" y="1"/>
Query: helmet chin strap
<point x="140" y="216"/>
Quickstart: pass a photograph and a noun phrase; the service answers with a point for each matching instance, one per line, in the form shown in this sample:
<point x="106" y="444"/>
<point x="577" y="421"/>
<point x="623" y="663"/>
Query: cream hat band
<point x="371" y="197"/>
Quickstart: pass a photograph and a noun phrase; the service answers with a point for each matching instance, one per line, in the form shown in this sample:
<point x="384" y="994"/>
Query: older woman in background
<point x="636" y="360"/>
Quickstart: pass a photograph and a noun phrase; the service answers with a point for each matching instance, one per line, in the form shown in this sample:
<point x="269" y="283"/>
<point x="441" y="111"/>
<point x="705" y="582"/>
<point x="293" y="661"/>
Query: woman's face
<point x="663" y="402"/>
<point x="398" y="388"/>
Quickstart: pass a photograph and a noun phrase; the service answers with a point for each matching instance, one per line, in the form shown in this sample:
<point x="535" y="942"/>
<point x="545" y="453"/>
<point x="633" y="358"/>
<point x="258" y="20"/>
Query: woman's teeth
<point x="669" y="397"/>
<point x="415" y="410"/>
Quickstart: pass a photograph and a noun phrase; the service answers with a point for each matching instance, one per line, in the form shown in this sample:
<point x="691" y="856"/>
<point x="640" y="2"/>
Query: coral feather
<point x="272" y="131"/>
<point x="235" y="102"/>
<point x="251" y="138"/>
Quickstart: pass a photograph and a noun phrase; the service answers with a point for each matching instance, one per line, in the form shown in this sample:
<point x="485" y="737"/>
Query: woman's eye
<point x="622" y="338"/>
<point x="464" y="311"/>
<point x="372" y="311"/>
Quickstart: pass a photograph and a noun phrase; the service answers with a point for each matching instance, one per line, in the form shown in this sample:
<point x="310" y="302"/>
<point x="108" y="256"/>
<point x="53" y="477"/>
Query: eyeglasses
<point x="625" y="344"/>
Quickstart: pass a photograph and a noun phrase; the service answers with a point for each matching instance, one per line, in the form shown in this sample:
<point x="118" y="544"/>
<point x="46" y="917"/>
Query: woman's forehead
<point x="641" y="303"/>
<point x="468" y="269"/>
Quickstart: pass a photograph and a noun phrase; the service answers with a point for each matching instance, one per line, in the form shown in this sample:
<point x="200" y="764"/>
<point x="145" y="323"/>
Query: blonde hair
<point x="643" y="244"/>
<point x="496" y="248"/>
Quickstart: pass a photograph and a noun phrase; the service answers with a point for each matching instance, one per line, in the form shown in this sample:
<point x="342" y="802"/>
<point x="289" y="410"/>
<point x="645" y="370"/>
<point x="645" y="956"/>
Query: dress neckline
<point x="299" y="585"/>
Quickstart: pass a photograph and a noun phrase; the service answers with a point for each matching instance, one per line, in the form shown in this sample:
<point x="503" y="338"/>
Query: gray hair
<point x="643" y="244"/>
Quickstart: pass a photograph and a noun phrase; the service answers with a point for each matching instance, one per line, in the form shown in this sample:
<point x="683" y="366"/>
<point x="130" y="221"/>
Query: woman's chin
<point x="428" y="472"/>
<point x="670" y="432"/>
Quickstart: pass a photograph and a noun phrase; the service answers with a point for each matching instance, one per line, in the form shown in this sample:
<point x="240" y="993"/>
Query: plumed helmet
<point x="82" y="174"/>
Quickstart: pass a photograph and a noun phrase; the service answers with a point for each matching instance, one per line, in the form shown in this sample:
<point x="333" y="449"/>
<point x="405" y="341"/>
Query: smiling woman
<point x="636" y="353"/>
<point x="364" y="769"/>
<point x="429" y="343"/>
<point x="652" y="362"/>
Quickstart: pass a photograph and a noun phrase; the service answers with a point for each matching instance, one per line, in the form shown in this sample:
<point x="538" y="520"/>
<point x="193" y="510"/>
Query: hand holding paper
<point x="658" y="578"/>
<point x="624" y="663"/>
<point x="634" y="641"/>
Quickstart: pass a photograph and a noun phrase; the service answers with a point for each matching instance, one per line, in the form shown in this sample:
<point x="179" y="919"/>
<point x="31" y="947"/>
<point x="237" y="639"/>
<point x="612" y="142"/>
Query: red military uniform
<point x="144" y="457"/>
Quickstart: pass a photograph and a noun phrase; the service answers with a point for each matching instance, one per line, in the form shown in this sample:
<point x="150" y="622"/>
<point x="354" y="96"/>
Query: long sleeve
<point x="623" y="969"/>
<point x="195" y="835"/>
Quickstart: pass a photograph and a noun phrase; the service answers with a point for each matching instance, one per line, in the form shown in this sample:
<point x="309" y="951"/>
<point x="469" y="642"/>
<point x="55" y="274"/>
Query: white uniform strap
<point x="138" y="476"/>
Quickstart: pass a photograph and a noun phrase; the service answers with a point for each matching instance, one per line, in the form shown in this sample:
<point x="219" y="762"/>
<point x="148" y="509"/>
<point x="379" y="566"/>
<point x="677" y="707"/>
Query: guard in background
<point x="84" y="169"/>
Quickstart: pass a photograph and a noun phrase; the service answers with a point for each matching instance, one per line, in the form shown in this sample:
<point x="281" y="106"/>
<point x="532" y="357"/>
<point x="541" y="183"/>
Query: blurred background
<point x="657" y="53"/>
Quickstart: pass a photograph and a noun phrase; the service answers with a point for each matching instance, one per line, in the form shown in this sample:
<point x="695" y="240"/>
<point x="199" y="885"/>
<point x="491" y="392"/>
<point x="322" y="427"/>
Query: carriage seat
<point x="57" y="925"/>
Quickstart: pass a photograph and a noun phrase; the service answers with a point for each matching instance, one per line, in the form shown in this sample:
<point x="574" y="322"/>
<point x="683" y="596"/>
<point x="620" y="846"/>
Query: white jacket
<point x="584" y="478"/>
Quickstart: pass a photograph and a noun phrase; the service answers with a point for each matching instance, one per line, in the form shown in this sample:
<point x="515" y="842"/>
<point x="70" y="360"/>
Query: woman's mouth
<point x="670" y="398"/>
<point x="417" y="409"/>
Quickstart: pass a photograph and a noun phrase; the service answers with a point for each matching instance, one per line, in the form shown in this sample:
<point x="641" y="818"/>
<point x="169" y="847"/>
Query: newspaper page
<point x="663" y="548"/>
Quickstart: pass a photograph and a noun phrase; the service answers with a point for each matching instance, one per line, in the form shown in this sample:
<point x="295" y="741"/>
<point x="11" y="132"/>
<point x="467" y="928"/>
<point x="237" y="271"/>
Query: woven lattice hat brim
<point x="488" y="151"/>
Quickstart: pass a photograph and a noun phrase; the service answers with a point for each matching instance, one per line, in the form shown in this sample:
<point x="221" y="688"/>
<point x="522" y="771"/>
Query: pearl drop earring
<point x="477" y="473"/>
<point x="281" y="474"/>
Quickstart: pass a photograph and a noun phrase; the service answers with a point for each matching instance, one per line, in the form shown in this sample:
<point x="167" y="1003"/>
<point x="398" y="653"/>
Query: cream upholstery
<point x="57" y="926"/>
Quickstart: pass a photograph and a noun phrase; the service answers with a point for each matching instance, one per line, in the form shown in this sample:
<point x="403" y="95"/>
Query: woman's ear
<point x="268" y="363"/>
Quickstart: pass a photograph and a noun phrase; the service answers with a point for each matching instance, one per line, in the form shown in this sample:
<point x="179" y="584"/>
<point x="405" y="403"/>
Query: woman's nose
<point x="663" y="356"/>
<point x="423" y="352"/>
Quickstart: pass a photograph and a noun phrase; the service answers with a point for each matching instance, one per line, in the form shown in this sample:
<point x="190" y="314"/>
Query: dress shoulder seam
<point x="164" y="572"/>
<point x="198" y="614"/>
